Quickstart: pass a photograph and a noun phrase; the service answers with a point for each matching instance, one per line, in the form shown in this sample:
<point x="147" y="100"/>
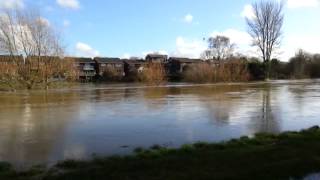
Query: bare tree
<point x="220" y="48"/>
<point x="206" y="55"/>
<point x="266" y="29"/>
<point x="28" y="34"/>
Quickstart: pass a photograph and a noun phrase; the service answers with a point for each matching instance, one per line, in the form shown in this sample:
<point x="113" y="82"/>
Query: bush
<point x="35" y="71"/>
<point x="111" y="74"/>
<point x="279" y="70"/>
<point x="199" y="73"/>
<point x="256" y="69"/>
<point x="304" y="65"/>
<point x="233" y="70"/>
<point x="313" y="67"/>
<point x="154" y="73"/>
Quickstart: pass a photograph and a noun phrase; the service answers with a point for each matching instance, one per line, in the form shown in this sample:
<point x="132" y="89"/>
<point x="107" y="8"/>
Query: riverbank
<point x="266" y="156"/>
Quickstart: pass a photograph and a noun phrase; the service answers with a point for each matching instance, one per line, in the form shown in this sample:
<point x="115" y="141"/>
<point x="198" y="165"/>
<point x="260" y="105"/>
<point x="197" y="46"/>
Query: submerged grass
<point x="266" y="156"/>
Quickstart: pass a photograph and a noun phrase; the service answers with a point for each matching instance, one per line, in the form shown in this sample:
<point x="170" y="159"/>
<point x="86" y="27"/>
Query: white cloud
<point x="71" y="4"/>
<point x="66" y="23"/>
<point x="302" y="3"/>
<point x="188" y="18"/>
<point x="241" y="39"/>
<point x="10" y="4"/>
<point x="126" y="56"/>
<point x="236" y="36"/>
<point x="21" y="33"/>
<point x="86" y="50"/>
<point x="247" y="12"/>
<point x="293" y="42"/>
<point x="192" y="48"/>
<point x="164" y="52"/>
<point x="189" y="48"/>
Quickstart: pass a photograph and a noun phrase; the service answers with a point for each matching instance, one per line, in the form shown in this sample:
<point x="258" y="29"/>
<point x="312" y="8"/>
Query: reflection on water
<point x="43" y="127"/>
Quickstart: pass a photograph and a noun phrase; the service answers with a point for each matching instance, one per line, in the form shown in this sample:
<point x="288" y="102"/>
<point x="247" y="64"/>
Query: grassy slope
<point x="266" y="156"/>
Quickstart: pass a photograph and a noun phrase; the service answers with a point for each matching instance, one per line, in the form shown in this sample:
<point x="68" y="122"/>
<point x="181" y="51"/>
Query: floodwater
<point x="39" y="127"/>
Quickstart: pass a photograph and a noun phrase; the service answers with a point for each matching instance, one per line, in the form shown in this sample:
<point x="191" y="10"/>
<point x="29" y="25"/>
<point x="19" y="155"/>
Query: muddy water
<point x="38" y="127"/>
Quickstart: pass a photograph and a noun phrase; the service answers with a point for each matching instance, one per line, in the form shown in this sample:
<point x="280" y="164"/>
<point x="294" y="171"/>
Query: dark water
<point x="44" y="127"/>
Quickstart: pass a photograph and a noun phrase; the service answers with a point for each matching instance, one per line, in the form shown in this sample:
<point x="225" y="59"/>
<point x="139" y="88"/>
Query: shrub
<point x="233" y="70"/>
<point x="154" y="73"/>
<point x="111" y="74"/>
<point x="199" y="73"/>
<point x="35" y="71"/>
<point x="256" y="69"/>
<point x="313" y="67"/>
<point x="279" y="70"/>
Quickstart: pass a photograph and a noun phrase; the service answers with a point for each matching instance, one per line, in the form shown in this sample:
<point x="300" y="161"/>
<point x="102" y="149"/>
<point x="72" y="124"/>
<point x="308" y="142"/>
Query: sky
<point x="134" y="28"/>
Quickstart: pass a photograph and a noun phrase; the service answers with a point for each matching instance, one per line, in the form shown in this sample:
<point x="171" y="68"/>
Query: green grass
<point x="266" y="156"/>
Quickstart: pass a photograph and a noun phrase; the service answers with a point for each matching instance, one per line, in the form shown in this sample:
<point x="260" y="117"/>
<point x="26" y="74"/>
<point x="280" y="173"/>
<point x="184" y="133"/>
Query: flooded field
<point x="39" y="127"/>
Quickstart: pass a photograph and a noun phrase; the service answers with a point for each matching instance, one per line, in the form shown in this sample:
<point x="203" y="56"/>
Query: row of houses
<point x="95" y="68"/>
<point x="92" y="68"/>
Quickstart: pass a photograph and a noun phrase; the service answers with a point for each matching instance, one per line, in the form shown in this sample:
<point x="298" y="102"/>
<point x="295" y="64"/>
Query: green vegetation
<point x="302" y="65"/>
<point x="266" y="156"/>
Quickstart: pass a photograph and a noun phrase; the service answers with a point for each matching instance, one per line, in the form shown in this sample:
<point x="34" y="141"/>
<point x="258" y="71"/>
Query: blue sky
<point x="123" y="28"/>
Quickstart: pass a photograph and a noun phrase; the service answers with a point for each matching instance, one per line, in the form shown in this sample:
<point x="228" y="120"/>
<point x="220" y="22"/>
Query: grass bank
<point x="266" y="156"/>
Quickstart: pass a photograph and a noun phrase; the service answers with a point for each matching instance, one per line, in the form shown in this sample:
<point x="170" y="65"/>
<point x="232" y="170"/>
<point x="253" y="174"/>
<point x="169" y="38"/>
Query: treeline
<point x="241" y="69"/>
<point x="302" y="65"/>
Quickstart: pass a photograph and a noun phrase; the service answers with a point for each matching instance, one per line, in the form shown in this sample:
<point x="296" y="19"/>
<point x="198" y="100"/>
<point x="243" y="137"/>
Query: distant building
<point x="156" y="58"/>
<point x="86" y="67"/>
<point x="178" y="65"/>
<point x="133" y="67"/>
<point x="109" y="67"/>
<point x="112" y="69"/>
<point x="36" y="62"/>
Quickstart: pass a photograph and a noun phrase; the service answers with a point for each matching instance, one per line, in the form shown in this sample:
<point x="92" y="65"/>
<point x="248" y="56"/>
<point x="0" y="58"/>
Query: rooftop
<point x="131" y="61"/>
<point x="80" y="59"/>
<point x="185" y="60"/>
<point x="157" y="56"/>
<point x="108" y="60"/>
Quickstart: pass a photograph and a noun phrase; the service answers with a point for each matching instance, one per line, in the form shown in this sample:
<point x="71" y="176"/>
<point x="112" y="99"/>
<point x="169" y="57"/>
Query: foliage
<point x="233" y="70"/>
<point x="154" y="73"/>
<point x="111" y="74"/>
<point x="279" y="70"/>
<point x="313" y="67"/>
<point x="35" y="72"/>
<point x="256" y="69"/>
<point x="304" y="65"/>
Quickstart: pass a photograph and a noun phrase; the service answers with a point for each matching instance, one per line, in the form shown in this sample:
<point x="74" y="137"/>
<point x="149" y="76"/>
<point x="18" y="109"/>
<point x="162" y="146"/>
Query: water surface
<point x="39" y="127"/>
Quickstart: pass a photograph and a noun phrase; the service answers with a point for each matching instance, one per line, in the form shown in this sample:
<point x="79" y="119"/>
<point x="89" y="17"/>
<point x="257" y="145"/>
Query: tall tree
<point x="265" y="28"/>
<point x="220" y="48"/>
<point x="26" y="33"/>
